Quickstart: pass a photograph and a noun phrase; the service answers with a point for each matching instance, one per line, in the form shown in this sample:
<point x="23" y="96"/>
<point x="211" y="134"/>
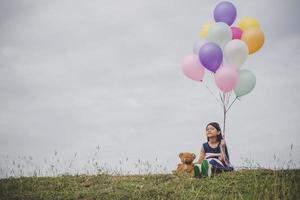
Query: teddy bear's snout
<point x="187" y="160"/>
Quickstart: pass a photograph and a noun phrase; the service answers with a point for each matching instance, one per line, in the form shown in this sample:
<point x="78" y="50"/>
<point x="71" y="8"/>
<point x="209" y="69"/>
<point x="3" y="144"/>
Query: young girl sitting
<point x="214" y="156"/>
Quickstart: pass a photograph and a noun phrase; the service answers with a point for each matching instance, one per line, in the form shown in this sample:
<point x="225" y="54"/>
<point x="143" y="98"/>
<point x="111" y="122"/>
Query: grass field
<point x="242" y="184"/>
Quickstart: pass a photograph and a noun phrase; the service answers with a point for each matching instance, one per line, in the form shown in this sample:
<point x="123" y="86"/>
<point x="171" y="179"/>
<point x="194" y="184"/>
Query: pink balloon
<point x="226" y="78"/>
<point x="236" y="33"/>
<point x="192" y="67"/>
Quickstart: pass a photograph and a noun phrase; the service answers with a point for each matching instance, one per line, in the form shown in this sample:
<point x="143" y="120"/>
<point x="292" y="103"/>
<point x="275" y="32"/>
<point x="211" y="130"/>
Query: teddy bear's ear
<point x="194" y="156"/>
<point x="181" y="154"/>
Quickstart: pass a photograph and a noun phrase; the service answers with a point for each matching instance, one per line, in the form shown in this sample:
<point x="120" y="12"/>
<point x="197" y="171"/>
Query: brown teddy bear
<point x="186" y="166"/>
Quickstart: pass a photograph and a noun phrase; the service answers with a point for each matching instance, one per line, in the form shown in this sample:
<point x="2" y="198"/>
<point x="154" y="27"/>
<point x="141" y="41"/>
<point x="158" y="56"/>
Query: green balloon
<point x="246" y="82"/>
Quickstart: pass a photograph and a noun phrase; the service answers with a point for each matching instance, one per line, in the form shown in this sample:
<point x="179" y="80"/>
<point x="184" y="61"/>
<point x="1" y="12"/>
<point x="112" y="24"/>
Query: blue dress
<point x="212" y="154"/>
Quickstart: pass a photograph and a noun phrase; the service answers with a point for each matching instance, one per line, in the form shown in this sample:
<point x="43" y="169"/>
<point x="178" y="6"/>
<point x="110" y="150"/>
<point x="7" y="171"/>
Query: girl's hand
<point x="223" y="143"/>
<point x="221" y="157"/>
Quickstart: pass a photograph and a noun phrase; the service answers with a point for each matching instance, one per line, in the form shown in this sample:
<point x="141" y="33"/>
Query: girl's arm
<point x="223" y="144"/>
<point x="202" y="155"/>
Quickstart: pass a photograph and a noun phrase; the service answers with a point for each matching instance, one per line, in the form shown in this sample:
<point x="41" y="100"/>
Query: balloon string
<point x="221" y="98"/>
<point x="229" y="95"/>
<point x="224" y="114"/>
<point x="231" y="104"/>
<point x="226" y="99"/>
<point x="212" y="93"/>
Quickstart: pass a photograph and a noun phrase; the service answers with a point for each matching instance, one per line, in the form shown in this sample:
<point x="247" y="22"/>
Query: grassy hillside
<point x="244" y="184"/>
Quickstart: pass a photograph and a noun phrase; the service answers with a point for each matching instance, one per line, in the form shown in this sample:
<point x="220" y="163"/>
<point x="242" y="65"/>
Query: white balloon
<point x="236" y="52"/>
<point x="197" y="46"/>
<point x="220" y="33"/>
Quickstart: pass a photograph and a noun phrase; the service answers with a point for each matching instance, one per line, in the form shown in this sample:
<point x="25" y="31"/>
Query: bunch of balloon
<point x="223" y="53"/>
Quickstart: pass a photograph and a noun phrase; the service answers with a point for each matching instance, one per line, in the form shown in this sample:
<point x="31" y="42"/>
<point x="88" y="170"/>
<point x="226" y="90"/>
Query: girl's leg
<point x="218" y="166"/>
<point x="206" y="169"/>
<point x="203" y="170"/>
<point x="197" y="170"/>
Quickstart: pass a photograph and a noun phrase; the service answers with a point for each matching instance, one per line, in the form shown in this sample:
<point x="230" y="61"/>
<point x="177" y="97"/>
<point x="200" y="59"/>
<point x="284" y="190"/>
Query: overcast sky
<point x="77" y="74"/>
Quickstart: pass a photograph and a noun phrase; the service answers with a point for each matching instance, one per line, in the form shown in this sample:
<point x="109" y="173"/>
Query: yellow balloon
<point x="254" y="38"/>
<point x="248" y="22"/>
<point x="205" y="29"/>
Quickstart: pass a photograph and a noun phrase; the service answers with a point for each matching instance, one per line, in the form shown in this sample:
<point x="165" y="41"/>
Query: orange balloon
<point x="254" y="38"/>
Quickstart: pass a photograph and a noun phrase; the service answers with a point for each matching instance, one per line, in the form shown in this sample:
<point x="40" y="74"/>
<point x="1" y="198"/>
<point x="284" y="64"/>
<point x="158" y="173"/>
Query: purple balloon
<point x="211" y="56"/>
<point x="225" y="12"/>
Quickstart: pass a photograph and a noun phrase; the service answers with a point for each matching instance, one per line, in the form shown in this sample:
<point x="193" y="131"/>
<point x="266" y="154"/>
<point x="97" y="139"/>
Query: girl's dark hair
<point x="219" y="137"/>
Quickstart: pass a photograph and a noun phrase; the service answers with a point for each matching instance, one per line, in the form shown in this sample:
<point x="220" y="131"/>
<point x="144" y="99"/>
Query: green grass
<point x="243" y="184"/>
